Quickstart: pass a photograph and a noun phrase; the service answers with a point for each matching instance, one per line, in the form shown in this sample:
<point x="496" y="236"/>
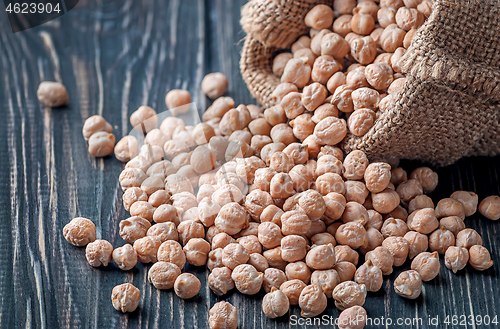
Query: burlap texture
<point x="449" y="106"/>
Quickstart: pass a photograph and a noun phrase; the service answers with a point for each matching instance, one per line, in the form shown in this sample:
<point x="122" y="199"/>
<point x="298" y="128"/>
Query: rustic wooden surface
<point x="114" y="56"/>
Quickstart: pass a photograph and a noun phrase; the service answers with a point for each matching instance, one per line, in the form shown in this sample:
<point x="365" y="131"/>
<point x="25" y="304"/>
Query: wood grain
<point x="114" y="56"/>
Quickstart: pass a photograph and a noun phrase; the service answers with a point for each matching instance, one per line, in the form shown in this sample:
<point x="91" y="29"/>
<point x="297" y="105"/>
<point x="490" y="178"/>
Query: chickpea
<point x="234" y="254"/>
<point x="190" y="229"/>
<point x="271" y="214"/>
<point x="163" y="231"/>
<point x="220" y="240"/>
<point x="263" y="177"/>
<point x="171" y="251"/>
<point x="365" y="98"/>
<point x="321" y="257"/>
<point x="319" y="17"/>
<point x="269" y="150"/>
<point x="297" y="152"/>
<point x="234" y="119"/>
<point x="281" y="186"/>
<point x="163" y="275"/>
<point x="345" y="271"/>
<point x="133" y="228"/>
<point x="125" y="257"/>
<point x="398" y="247"/>
<point x="355" y="191"/>
<point x="218" y="108"/>
<point x="246" y="279"/>
<point x="312" y="203"/>
<point x="392" y="38"/>
<point x="232" y="218"/>
<point x="293" y="248"/>
<point x="427" y="265"/>
<point x="99" y="253"/>
<point x="408" y="284"/>
<point x="276" y="115"/>
<point x="362" y="23"/>
<point x="250" y="243"/>
<point x="54" y="94"/>
<point x="214" y="85"/>
<point x="352" y="318"/>
<point x="394" y="227"/>
<point x="426" y="177"/>
<point x="279" y="63"/>
<point x="330" y="130"/>
<point x="408" y="18"/>
<point x="177" y="101"/>
<point x="94" y="124"/>
<point x="313" y="96"/>
<point x="166" y="213"/>
<point x="386" y="201"/>
<point x="440" y="240"/>
<point x="101" y="144"/>
<point x="360" y="121"/>
<point x="409" y="37"/>
<point x="187" y="285"/>
<point x="352" y="234"/>
<point x="79" y="231"/>
<point x="396" y="4"/>
<point x="125" y="297"/>
<point x="196" y="250"/>
<point x="348" y="294"/>
<point x="375" y="239"/>
<point x="258" y="261"/>
<point x="467" y="238"/>
<point x="306" y="52"/>
<point x="282" y="133"/>
<point x="363" y="49"/>
<point x="379" y="76"/>
<point x="328" y="164"/>
<point x="215" y="259"/>
<point x="382" y="258"/>
<point x="281" y="91"/>
<point x="170" y="124"/>
<point x="223" y="315"/>
<point x="469" y="201"/>
<point x="453" y="224"/>
<point x="280" y="162"/>
<point x="324" y="67"/>
<point x="297" y="71"/>
<point x="220" y="281"/>
<point x="330" y="183"/>
<point x="420" y="202"/>
<point x="312" y="301"/>
<point x="275" y="304"/>
<point x="456" y="258"/>
<point x="295" y="222"/>
<point x="490" y="207"/>
<point x="292" y="105"/>
<point x="356" y="78"/>
<point x="370" y="276"/>
<point x="333" y="44"/>
<point x="417" y="243"/>
<point x="258" y="142"/>
<point x="147" y="249"/>
<point x="450" y="207"/>
<point x="409" y="189"/>
<point x="342" y="25"/>
<point x="374" y="220"/>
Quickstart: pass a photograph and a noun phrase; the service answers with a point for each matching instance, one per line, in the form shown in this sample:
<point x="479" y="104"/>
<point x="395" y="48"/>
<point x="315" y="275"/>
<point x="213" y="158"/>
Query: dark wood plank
<point x="114" y="56"/>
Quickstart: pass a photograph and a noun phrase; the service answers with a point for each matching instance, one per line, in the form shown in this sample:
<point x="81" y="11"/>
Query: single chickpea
<point x="420" y="202"/>
<point x="363" y="49"/>
<point x="125" y="297"/>
<point x="382" y="258"/>
<point x="324" y="67"/>
<point x="379" y="76"/>
<point x="258" y="142"/>
<point x="274" y="259"/>
<point x="280" y="162"/>
<point x="187" y="285"/>
<point x="125" y="257"/>
<point x="258" y="261"/>
<point x="330" y="183"/>
<point x="423" y="221"/>
<point x="281" y="186"/>
<point x="345" y="270"/>
<point x="281" y="91"/>
<point x="348" y="294"/>
<point x="386" y="16"/>
<point x="352" y="318"/>
<point x="131" y="177"/>
<point x="490" y="207"/>
<point x="312" y="301"/>
<point x="99" y="253"/>
<point x="293" y="248"/>
<point x="355" y="191"/>
<point x="282" y="133"/>
<point x="54" y="94"/>
<point x="101" y="144"/>
<point x="427" y="265"/>
<point x="409" y="189"/>
<point x="342" y="99"/>
<point x="292" y="105"/>
<point x="467" y="238"/>
<point x="352" y="234"/>
<point x="374" y="219"/>
<point x="147" y="249"/>
<point x="302" y="42"/>
<point x="426" y="177"/>
<point x="360" y="121"/>
<point x="330" y="130"/>
<point x="313" y="96"/>
<point x="408" y="18"/>
<point x="377" y="176"/>
<point x="166" y="213"/>
<point x="170" y="124"/>
<point x="144" y="119"/>
<point x="386" y="201"/>
<point x="190" y="229"/>
<point x="297" y="71"/>
<point x="234" y="119"/>
<point x="346" y="254"/>
<point x="219" y="281"/>
<point x="163" y="231"/>
<point x="272" y="214"/>
<point x="408" y="284"/>
<point x="196" y="250"/>
<point x="365" y="98"/>
<point x="450" y="207"/>
<point x="214" y="85"/>
<point x="295" y="222"/>
<point x="163" y="275"/>
<point x="362" y="24"/>
<point x="269" y="150"/>
<point x="133" y="228"/>
<point x="126" y="148"/>
<point x="234" y="254"/>
<point x="232" y="218"/>
<point x="370" y="276"/>
<point x="159" y="198"/>
<point x="143" y="209"/>
<point x="223" y="315"/>
<point x="221" y="240"/>
<point x="469" y="201"/>
<point x="319" y="17"/>
<point x="356" y="78"/>
<point x="333" y="44"/>
<point x="398" y="247"/>
<point x="409" y="37"/>
<point x="246" y="279"/>
<point x="355" y="165"/>
<point x="79" y="231"/>
<point x="297" y="152"/>
<point x="263" y="177"/>
<point x="215" y="259"/>
<point x="312" y="203"/>
<point x="440" y="240"/>
<point x="328" y="164"/>
<point x="218" y="108"/>
<point x="392" y="38"/>
<point x="274" y="278"/>
<point x="375" y="239"/>
<point x="355" y="212"/>
<point x="275" y="304"/>
<point x="171" y="251"/>
<point x="250" y="243"/>
<point x="417" y="243"/>
<point x="326" y="279"/>
<point x="456" y="258"/>
<point x="342" y="25"/>
<point x="279" y="63"/>
<point x="396" y="4"/>
<point x="276" y="115"/>
<point x="453" y="224"/>
<point x="177" y="101"/>
<point x="321" y="257"/>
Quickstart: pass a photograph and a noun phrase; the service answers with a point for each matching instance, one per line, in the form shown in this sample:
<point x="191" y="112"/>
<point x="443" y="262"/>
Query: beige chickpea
<point x="223" y="315"/>
<point x="420" y="202"/>
<point x="323" y="238"/>
<point x="187" y="285"/>
<point x="276" y="115"/>
<point x="398" y="247"/>
<point x="355" y="165"/>
<point x="343" y="7"/>
<point x="330" y="130"/>
<point x="258" y="142"/>
<point x="342" y="25"/>
<point x="101" y="144"/>
<point x="250" y="243"/>
<point x="356" y="78"/>
<point x="394" y="227"/>
<point x="272" y="214"/>
<point x="440" y="240"/>
<point x="334" y="45"/>
<point x="139" y="162"/>
<point x="453" y="224"/>
<point x="99" y="253"/>
<point x="163" y="231"/>
<point x="346" y="254"/>
<point x="281" y="186"/>
<point x="352" y="318"/>
<point x="375" y="219"/>
<point x="144" y="119"/>
<point x="352" y="234"/>
<point x="321" y="257"/>
<point x="279" y="63"/>
<point x="293" y="248"/>
<point x="125" y="257"/>
<point x="467" y="238"/>
<point x="221" y="240"/>
<point x="292" y="105"/>
<point x="375" y="239"/>
<point x="147" y="249"/>
<point x="342" y="99"/>
<point x="386" y="16"/>
<point x="409" y="189"/>
<point x="282" y="133"/>
<point x="382" y="258"/>
<point x="297" y="71"/>
<point x="315" y="45"/>
<point x="303" y="126"/>
<point x="202" y="133"/>
<point x="234" y="254"/>
<point x="398" y="176"/>
<point x="326" y="279"/>
<point x="345" y="270"/>
<point x="207" y="211"/>
<point x="356" y="191"/>
<point x="259" y="126"/>
<point x="215" y="259"/>
<point x="274" y="278"/>
<point x="275" y="304"/>
<point x="133" y="228"/>
<point x="54" y="94"/>
<point x="125" y="297"/>
<point x="258" y="261"/>
<point x="456" y="258"/>
<point x="263" y="177"/>
<point x="166" y="213"/>
<point x="323" y="68"/>
<point x="375" y="34"/>
<point x="313" y="148"/>
<point x="365" y="98"/>
<point x="313" y="96"/>
<point x="246" y="279"/>
<point x="177" y="101"/>
<point x="302" y="42"/>
<point x="202" y="159"/>
<point x="273" y="257"/>
<point x="298" y="152"/>
<point x="312" y="301"/>
<point x="234" y="119"/>
<point x="370" y="276"/>
<point x="386" y="201"/>
<point x="132" y="195"/>
<point x="306" y="52"/>
<point x="220" y="281"/>
<point x="362" y="24"/>
<point x="173" y="148"/>
<point x="328" y="164"/>
<point x="330" y="183"/>
<point x="295" y="222"/>
<point x="379" y="76"/>
<point x="218" y="108"/>
<point x="427" y="265"/>
<point x="196" y="251"/>
<point x="417" y="243"/>
<point x="363" y="49"/>
<point x="348" y="294"/>
<point x="395" y="62"/>
<point x="319" y="17"/>
<point x="126" y="148"/>
<point x="281" y="91"/>
<point x="469" y="201"/>
<point x="408" y="18"/>
<point x="377" y="176"/>
<point x="143" y="209"/>
<point x="450" y="207"/>
<point x="163" y="275"/>
<point x="490" y="207"/>
<point x="360" y="121"/>
<point x="79" y="231"/>
<point x="171" y="251"/>
<point x="317" y="226"/>
<point x="427" y="178"/>
<point x="355" y="212"/>
<point x="409" y="37"/>
<point x="232" y="218"/>
<point x="170" y="124"/>
<point x="184" y="201"/>
<point x="158" y="198"/>
<point x="152" y="184"/>
<point x="293" y="289"/>
<point x="214" y="85"/>
<point x="408" y="284"/>
<point x="312" y="203"/>
<point x="190" y="229"/>
<point x="392" y="38"/>
<point x="396" y="4"/>
<point x="280" y="162"/>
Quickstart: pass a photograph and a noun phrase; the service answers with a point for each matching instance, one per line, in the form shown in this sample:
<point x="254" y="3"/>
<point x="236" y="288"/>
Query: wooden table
<point x="114" y="56"/>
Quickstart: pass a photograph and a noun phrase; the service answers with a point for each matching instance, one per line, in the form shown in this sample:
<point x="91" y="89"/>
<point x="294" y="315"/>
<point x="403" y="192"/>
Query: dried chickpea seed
<point x="101" y="144"/>
<point x="456" y="258"/>
<point x="163" y="275"/>
<point x="187" y="286"/>
<point x="246" y="279"/>
<point x="312" y="301"/>
<point x="319" y="17"/>
<point x="53" y="94"/>
<point x="79" y="231"/>
<point x="99" y="253"/>
<point x="348" y="294"/>
<point x="490" y="207"/>
<point x="479" y="258"/>
<point x="214" y="85"/>
<point x="352" y="318"/>
<point x="125" y="297"/>
<point x="408" y="284"/>
<point x="223" y="315"/>
<point x="125" y="257"/>
<point x="275" y="304"/>
<point x="427" y="265"/>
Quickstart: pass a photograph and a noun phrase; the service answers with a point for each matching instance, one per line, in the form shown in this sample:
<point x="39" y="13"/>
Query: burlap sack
<point x="449" y="106"/>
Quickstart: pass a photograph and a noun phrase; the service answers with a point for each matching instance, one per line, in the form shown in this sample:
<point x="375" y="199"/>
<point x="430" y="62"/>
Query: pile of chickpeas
<point x="247" y="196"/>
<point x="344" y="74"/>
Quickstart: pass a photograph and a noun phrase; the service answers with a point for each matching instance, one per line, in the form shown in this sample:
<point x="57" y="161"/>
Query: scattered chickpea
<point x="319" y="17"/>
<point x="352" y="234"/>
<point x="223" y="315"/>
<point x="125" y="297"/>
<point x="101" y="144"/>
<point x="177" y="101"/>
<point x="297" y="72"/>
<point x="345" y="270"/>
<point x="408" y="284"/>
<point x="352" y="318"/>
<point x="312" y="301"/>
<point x="99" y="253"/>
<point x="417" y="243"/>
<point x="441" y="239"/>
<point x="53" y="94"/>
<point x="348" y="294"/>
<point x="479" y="258"/>
<point x="408" y="18"/>
<point x="163" y="275"/>
<point x="423" y="221"/>
<point x="362" y="24"/>
<point x="144" y="119"/>
<point x="420" y="202"/>
<point x="427" y="265"/>
<point x="214" y="85"/>
<point x="456" y="258"/>
<point x="275" y="304"/>
<point x="246" y="279"/>
<point x="220" y="281"/>
<point x="398" y="247"/>
<point x="171" y="251"/>
<point x="187" y="285"/>
<point x="370" y="276"/>
<point x="409" y="190"/>
<point x="490" y="207"/>
<point x="469" y="201"/>
<point x="394" y="227"/>
<point x="382" y="258"/>
<point x="298" y="270"/>
<point x="467" y="238"/>
<point x="79" y="231"/>
<point x="196" y="251"/>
